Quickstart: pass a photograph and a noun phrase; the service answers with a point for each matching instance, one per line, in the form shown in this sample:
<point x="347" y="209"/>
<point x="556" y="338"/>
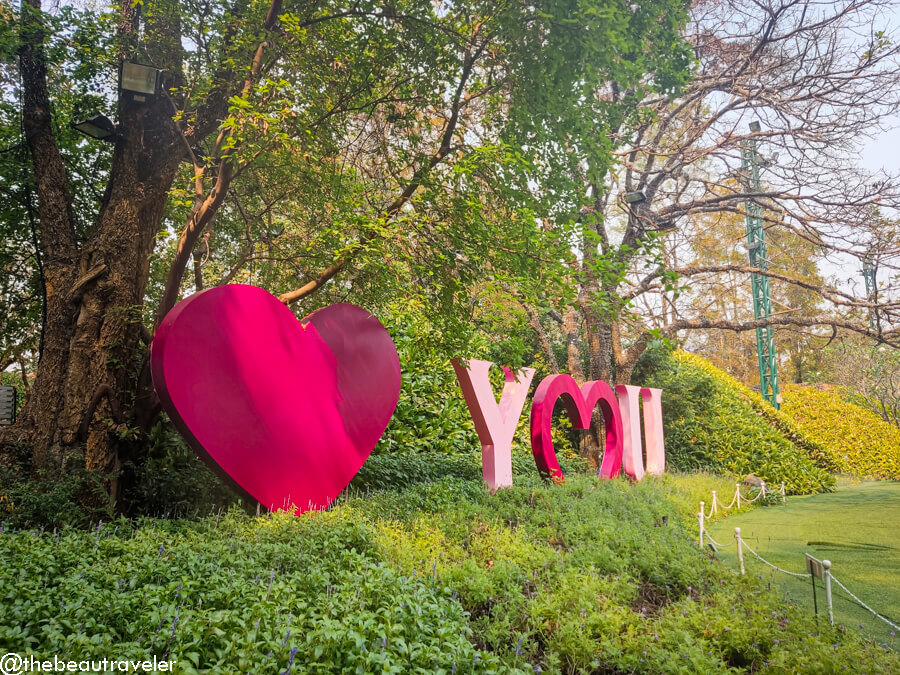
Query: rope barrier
<point x="761" y="494"/>
<point x="741" y="545"/>
<point x="774" y="567"/>
<point x="863" y="605"/>
<point x="714" y="542"/>
<point x="731" y="504"/>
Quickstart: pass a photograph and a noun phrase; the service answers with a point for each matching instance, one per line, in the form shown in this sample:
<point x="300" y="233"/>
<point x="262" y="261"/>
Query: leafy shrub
<point x="69" y="496"/>
<point x="399" y="470"/>
<point x="172" y="481"/>
<point x="396" y="471"/>
<point x="439" y="577"/>
<point x="431" y="414"/>
<point x="856" y="440"/>
<point x="715" y="423"/>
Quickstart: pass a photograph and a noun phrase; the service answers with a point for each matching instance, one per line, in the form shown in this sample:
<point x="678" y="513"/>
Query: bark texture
<point x="95" y="285"/>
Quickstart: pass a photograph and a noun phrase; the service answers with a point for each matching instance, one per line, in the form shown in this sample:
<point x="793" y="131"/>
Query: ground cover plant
<point x="855" y="529"/>
<point x="588" y="576"/>
<point x="857" y="441"/>
<point x="713" y="422"/>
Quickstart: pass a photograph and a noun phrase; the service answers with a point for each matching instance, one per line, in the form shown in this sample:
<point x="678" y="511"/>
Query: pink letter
<point x="629" y="407"/>
<point x="653" y="431"/>
<point x="580" y="405"/>
<point x="495" y="424"/>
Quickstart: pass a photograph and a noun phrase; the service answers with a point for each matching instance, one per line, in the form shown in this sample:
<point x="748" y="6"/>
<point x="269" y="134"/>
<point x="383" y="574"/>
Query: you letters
<point x="496" y="422"/>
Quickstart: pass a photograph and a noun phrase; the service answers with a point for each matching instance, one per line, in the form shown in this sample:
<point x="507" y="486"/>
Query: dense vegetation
<point x="438" y="577"/>
<point x="857" y="441"/>
<point x="714" y="422"/>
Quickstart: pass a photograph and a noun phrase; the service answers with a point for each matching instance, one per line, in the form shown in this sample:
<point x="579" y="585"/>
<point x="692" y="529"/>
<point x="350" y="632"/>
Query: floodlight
<point x="8" y="399"/>
<point x="754" y="126"/>
<point x="142" y="81"/>
<point x="636" y="197"/>
<point x="98" y="126"/>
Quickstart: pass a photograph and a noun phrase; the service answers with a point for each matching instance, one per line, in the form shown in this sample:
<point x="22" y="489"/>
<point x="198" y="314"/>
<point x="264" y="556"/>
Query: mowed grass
<point x="857" y="528"/>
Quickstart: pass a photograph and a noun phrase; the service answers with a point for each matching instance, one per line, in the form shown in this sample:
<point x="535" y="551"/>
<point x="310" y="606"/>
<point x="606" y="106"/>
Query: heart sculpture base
<point x="286" y="411"/>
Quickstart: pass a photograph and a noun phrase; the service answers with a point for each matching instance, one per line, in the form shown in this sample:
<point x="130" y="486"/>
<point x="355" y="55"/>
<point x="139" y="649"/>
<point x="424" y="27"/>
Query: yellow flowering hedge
<point x="857" y="441"/>
<point x="715" y="423"/>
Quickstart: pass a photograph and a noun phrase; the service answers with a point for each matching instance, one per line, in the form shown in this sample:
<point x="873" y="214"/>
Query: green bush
<point x="172" y="481"/>
<point x="713" y="422"/>
<point x="431" y="414"/>
<point x="70" y="496"/>
<point x="440" y="577"/>
<point x="855" y="440"/>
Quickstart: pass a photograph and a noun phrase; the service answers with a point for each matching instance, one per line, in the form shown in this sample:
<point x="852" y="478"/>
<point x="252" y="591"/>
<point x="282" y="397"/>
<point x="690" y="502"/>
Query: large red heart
<point x="288" y="411"/>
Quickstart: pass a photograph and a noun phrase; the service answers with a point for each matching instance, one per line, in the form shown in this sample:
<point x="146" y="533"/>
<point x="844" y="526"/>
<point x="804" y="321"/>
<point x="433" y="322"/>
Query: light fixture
<point x="755" y="127"/>
<point x="98" y="126"/>
<point x="141" y="81"/>
<point x="8" y="400"/>
<point x="636" y="197"/>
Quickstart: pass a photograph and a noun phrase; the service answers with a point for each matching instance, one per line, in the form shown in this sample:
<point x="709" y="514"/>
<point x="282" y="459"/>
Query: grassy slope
<point x="440" y="577"/>
<point x="857" y="441"/>
<point x="713" y="422"/>
<point x="855" y="528"/>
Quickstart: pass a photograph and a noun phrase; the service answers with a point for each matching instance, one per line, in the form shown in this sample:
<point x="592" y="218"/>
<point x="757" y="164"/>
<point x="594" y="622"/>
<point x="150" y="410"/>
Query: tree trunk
<point x="573" y="354"/>
<point x="95" y="288"/>
<point x="94" y="328"/>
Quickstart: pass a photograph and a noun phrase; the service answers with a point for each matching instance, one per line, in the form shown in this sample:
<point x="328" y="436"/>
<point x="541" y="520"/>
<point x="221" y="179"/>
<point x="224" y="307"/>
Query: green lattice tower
<point x="762" y="303"/>
<point x="869" y="275"/>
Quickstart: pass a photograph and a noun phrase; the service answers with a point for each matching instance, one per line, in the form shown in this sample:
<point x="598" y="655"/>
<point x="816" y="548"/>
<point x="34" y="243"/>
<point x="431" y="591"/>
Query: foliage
<point x="431" y="414"/>
<point x="42" y="498"/>
<point x="172" y="481"/>
<point x="713" y="422"/>
<point x="398" y="470"/>
<point x="439" y="577"/>
<point x="856" y="440"/>
<point x="869" y="374"/>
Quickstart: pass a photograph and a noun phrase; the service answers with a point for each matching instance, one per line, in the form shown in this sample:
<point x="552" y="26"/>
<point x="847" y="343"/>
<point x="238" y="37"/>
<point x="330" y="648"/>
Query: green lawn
<point x="857" y="528"/>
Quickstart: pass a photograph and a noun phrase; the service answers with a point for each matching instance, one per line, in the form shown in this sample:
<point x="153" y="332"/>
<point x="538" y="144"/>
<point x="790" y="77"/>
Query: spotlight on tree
<point x="8" y="400"/>
<point x="98" y="126"/>
<point x="636" y="197"/>
<point x="755" y="126"/>
<point x="141" y="81"/>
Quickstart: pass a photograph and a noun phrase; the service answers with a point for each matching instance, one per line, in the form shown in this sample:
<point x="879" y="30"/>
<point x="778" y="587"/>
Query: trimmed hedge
<point x="855" y="440"/>
<point x="715" y="423"/>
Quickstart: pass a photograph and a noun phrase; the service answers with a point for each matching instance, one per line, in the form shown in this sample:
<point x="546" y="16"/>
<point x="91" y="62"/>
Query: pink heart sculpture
<point x="580" y="406"/>
<point x="287" y="410"/>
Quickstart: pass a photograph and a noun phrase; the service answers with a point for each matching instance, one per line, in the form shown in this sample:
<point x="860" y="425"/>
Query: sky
<point x="883" y="152"/>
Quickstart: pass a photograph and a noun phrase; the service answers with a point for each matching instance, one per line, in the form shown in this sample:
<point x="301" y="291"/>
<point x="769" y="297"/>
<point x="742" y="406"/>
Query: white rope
<point x="750" y="501"/>
<point x="774" y="567"/>
<point x="712" y="510"/>
<point x="733" y="499"/>
<point x="717" y="544"/>
<point x="864" y="605"/>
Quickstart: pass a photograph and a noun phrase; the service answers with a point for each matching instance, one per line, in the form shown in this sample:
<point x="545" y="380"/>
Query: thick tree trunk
<point x="93" y="333"/>
<point x="573" y="354"/>
<point x="95" y="287"/>
<point x="599" y="341"/>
